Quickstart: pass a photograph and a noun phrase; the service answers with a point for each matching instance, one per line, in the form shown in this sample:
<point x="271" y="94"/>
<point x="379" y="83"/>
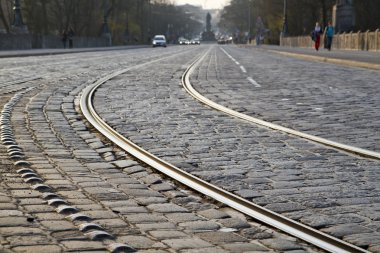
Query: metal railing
<point x="366" y="41"/>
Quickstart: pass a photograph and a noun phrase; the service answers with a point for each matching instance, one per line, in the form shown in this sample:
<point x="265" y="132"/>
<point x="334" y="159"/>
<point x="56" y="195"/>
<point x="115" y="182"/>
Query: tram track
<point x="266" y="216"/>
<point x="31" y="76"/>
<point x="55" y="67"/>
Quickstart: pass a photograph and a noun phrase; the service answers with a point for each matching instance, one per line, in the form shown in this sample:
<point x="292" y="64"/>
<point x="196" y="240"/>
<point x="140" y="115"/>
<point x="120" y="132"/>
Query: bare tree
<point x="125" y="17"/>
<point x="6" y="14"/>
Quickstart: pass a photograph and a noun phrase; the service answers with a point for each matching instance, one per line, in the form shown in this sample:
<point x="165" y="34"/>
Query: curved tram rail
<point x="257" y="212"/>
<point x="340" y="146"/>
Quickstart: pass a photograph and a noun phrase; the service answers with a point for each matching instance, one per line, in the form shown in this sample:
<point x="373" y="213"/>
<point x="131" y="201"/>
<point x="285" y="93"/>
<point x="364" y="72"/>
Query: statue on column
<point x="208" y="35"/>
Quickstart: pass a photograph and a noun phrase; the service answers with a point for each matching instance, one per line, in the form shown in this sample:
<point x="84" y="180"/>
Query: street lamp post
<point x="168" y="32"/>
<point x="285" y="25"/>
<point x="249" y="21"/>
<point x="18" y="25"/>
<point x="149" y="20"/>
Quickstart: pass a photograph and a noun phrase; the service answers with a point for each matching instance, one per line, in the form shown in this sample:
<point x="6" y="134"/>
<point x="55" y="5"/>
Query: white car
<point x="159" y="41"/>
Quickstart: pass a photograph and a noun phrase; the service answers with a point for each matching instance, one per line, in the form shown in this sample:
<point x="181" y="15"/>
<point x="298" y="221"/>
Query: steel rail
<point x="340" y="146"/>
<point x="294" y="228"/>
<point x="257" y="212"/>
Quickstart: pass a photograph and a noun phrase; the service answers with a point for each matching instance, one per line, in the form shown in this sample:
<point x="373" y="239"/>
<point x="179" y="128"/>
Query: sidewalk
<point x="363" y="59"/>
<point x="53" y="51"/>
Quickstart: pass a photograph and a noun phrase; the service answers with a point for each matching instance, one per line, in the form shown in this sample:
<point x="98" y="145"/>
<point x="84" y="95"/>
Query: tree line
<point x="240" y="15"/>
<point x="129" y="21"/>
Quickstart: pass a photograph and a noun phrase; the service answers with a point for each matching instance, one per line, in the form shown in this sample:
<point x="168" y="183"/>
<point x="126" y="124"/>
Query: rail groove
<point x="257" y="212"/>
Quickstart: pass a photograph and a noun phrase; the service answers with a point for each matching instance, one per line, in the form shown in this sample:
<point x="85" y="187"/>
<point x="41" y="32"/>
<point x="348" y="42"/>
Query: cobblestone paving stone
<point x="318" y="186"/>
<point x="89" y="195"/>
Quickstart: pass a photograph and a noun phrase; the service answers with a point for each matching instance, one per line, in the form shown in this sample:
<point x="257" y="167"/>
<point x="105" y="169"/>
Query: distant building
<point x="344" y="16"/>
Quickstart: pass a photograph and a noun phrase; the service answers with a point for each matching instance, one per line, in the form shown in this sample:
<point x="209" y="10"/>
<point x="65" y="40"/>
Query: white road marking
<point x="225" y="52"/>
<point x="229" y="56"/>
<point x="250" y="79"/>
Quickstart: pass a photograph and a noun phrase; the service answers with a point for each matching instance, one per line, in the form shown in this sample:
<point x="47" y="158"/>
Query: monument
<point x="344" y="16"/>
<point x="208" y="35"/>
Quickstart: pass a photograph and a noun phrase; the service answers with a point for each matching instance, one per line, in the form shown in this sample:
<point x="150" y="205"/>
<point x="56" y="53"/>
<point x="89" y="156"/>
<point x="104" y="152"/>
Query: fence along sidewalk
<point x="366" y="41"/>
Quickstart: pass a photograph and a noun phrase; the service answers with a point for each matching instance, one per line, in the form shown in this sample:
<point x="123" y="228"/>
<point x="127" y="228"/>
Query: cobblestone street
<point x="66" y="188"/>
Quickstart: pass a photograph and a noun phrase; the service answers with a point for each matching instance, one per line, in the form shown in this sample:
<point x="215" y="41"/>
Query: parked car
<point x="159" y="41"/>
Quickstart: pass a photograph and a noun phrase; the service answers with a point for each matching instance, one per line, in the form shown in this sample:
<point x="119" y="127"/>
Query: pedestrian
<point x="329" y="34"/>
<point x="64" y="38"/>
<point x="317" y="36"/>
<point x="70" y="35"/>
<point x="259" y="30"/>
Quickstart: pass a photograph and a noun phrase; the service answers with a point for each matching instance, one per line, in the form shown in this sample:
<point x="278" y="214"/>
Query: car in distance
<point x="195" y="42"/>
<point x="182" y="41"/>
<point x="159" y="41"/>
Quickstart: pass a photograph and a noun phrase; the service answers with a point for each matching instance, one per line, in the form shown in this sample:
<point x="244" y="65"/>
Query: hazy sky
<point x="207" y="4"/>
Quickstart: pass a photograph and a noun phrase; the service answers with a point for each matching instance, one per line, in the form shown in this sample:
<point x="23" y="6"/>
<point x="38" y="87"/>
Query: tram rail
<point x="296" y="229"/>
<point x="340" y="146"/>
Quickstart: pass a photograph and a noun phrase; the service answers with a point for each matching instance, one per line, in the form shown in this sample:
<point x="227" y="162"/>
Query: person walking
<point x="329" y="34"/>
<point x="259" y="30"/>
<point x="317" y="36"/>
<point x="70" y="35"/>
<point x="64" y="38"/>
